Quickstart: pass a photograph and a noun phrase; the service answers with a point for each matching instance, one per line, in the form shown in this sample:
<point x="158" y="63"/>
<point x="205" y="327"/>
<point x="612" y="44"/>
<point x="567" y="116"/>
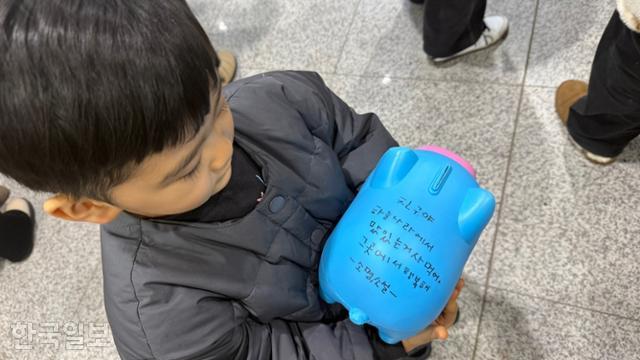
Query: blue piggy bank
<point x="396" y="255"/>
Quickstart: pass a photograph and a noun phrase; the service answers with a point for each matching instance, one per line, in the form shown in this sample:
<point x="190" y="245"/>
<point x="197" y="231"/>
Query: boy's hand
<point x="437" y="330"/>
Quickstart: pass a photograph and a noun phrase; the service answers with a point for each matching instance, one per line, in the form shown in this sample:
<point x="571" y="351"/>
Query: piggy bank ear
<point x="476" y="211"/>
<point x="394" y="165"/>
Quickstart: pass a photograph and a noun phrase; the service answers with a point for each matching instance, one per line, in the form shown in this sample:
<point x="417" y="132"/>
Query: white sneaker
<point x="496" y="29"/>
<point x="596" y="159"/>
<point x="600" y="160"/>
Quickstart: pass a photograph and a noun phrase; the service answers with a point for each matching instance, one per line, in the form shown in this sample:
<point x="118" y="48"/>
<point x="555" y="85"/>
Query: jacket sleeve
<point x="359" y="140"/>
<point x="191" y="324"/>
<point x="305" y="340"/>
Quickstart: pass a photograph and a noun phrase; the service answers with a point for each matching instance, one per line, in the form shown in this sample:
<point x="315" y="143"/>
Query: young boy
<point x="215" y="203"/>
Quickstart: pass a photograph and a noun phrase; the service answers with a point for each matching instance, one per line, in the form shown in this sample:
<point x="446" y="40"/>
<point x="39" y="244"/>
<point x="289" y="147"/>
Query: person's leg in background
<point x="604" y="116"/>
<point x="16" y="227"/>
<point x="452" y="25"/>
<point x="456" y="27"/>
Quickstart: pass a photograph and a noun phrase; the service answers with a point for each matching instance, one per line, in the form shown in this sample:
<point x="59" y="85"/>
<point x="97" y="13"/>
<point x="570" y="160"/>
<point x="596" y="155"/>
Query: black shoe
<point x="17" y="231"/>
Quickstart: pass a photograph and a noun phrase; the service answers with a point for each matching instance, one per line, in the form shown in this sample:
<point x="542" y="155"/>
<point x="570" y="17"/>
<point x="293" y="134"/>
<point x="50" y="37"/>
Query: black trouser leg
<point x="608" y="118"/>
<point x="452" y="25"/>
<point x="16" y="235"/>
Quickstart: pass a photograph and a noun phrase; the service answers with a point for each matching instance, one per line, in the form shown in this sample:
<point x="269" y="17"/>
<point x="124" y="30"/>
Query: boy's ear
<point x="84" y="209"/>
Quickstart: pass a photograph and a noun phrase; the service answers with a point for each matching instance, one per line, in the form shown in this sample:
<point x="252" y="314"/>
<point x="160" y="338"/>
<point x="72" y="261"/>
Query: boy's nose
<point x="220" y="163"/>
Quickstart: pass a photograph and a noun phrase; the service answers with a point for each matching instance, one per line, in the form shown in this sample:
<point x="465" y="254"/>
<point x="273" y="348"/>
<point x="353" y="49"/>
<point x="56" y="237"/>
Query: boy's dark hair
<point x="89" y="88"/>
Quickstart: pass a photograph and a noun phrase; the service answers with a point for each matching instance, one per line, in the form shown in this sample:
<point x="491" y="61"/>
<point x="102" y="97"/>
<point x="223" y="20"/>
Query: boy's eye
<point x="191" y="175"/>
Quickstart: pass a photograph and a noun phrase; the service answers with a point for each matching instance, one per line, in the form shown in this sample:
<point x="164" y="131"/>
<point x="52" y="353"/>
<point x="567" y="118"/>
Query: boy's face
<point x="182" y="178"/>
<point x="174" y="181"/>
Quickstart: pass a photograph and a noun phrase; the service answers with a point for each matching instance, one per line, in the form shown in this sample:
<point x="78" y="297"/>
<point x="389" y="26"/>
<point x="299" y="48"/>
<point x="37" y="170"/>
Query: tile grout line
<point x="504" y="185"/>
<point x="414" y="79"/>
<point x="421" y="79"/>
<point x="556" y="302"/>
<point x="346" y="38"/>
<point x="541" y="86"/>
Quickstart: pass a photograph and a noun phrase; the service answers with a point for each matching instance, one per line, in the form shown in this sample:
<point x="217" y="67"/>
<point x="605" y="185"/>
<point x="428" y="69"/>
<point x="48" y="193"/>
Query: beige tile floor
<point x="555" y="276"/>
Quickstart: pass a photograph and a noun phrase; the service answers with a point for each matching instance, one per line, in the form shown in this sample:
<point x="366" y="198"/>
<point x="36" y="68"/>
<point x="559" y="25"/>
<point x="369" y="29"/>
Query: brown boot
<point x="4" y="194"/>
<point x="567" y="94"/>
<point x="227" y="67"/>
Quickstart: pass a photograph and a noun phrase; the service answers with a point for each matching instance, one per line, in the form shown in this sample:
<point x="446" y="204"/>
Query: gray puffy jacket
<point x="248" y="288"/>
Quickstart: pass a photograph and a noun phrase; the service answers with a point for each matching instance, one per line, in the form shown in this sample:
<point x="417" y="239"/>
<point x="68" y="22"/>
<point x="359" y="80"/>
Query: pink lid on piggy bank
<point x="451" y="155"/>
